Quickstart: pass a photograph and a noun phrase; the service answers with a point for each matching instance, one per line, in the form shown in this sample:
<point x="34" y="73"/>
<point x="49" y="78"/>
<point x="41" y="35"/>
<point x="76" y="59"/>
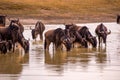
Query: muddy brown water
<point x="78" y="64"/>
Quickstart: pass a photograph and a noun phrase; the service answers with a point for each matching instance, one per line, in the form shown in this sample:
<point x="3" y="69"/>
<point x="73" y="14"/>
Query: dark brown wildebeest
<point x="72" y="28"/>
<point x="85" y="33"/>
<point x="39" y="28"/>
<point x="58" y="37"/>
<point x="21" y="27"/>
<point x="82" y="34"/>
<point x="13" y="33"/>
<point x="102" y="33"/>
<point x="25" y="44"/>
<point x="118" y="19"/>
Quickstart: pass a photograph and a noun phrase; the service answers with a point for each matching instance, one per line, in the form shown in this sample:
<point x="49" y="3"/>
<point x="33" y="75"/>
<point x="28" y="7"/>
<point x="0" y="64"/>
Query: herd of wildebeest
<point x="67" y="37"/>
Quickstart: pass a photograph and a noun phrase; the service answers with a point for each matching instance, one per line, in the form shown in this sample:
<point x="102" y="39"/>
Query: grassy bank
<point x="62" y="10"/>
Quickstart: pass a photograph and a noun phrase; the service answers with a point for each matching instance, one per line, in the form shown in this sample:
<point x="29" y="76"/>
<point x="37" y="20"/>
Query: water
<point x="79" y="64"/>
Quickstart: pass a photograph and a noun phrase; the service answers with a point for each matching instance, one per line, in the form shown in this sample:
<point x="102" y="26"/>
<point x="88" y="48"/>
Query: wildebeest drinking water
<point x="58" y="37"/>
<point x="85" y="33"/>
<point x="73" y="31"/>
<point x="102" y="33"/>
<point x="82" y="34"/>
<point x="13" y="33"/>
<point x="39" y="28"/>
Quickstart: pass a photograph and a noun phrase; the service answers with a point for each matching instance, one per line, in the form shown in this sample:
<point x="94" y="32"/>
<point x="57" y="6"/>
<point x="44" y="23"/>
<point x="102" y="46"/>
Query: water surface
<point x="78" y="64"/>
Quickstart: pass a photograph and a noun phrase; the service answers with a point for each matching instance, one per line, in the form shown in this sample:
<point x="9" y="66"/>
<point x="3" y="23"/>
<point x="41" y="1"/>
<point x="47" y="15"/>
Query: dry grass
<point x="61" y="9"/>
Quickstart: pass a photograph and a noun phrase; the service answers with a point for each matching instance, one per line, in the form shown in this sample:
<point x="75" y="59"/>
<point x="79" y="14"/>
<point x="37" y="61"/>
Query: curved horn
<point x="9" y="18"/>
<point x="101" y="32"/>
<point x="109" y="32"/>
<point x="30" y="28"/>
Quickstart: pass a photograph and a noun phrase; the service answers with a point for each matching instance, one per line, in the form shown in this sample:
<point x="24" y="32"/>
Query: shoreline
<point x="32" y="21"/>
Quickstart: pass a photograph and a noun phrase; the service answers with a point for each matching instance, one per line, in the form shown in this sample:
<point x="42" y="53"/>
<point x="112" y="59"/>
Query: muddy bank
<point x="32" y="21"/>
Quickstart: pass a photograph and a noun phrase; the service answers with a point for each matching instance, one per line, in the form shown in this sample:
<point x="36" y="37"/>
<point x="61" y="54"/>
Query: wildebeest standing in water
<point x="39" y="28"/>
<point x="17" y="21"/>
<point x="102" y="33"/>
<point x="58" y="37"/>
<point x="82" y="34"/>
<point x="13" y="33"/>
<point x="118" y="19"/>
<point x="20" y="38"/>
<point x="85" y="33"/>
<point x="76" y="37"/>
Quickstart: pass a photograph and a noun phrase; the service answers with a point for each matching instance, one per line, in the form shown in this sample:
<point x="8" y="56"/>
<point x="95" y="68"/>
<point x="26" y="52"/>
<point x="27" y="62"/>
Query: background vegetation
<point x="80" y="10"/>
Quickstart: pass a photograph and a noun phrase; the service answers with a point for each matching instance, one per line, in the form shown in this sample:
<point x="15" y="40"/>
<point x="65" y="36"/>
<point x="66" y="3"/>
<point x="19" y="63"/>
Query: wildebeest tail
<point x="45" y="43"/>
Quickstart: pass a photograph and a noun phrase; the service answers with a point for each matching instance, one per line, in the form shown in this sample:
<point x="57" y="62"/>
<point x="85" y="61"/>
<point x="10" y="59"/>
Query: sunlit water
<point x="78" y="64"/>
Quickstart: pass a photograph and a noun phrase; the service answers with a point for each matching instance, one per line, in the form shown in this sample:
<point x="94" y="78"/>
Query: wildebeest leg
<point x="41" y="37"/>
<point x="13" y="47"/>
<point x="99" y="40"/>
<point x="105" y="44"/>
<point x="46" y="44"/>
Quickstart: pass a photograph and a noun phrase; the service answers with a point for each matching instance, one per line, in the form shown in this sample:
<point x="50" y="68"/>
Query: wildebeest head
<point x="67" y="42"/>
<point x="91" y="39"/>
<point x="3" y="47"/>
<point x="60" y="37"/>
<point x="17" y="21"/>
<point x="25" y="44"/>
<point x="13" y="26"/>
<point x="34" y="33"/>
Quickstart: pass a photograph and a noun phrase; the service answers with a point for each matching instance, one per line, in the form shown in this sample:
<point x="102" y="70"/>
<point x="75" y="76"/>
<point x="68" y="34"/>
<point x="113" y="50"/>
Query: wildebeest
<point x="118" y="19"/>
<point x="102" y="33"/>
<point x="39" y="28"/>
<point x="58" y="37"/>
<point x="13" y="33"/>
<point x="83" y="35"/>
<point x="17" y="21"/>
<point x="73" y="31"/>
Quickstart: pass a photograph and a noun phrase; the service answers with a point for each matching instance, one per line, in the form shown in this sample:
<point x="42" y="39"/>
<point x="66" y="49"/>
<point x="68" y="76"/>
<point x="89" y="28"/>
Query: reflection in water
<point x="11" y="63"/>
<point x="81" y="56"/>
<point x="101" y="56"/>
<point x="56" y="58"/>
